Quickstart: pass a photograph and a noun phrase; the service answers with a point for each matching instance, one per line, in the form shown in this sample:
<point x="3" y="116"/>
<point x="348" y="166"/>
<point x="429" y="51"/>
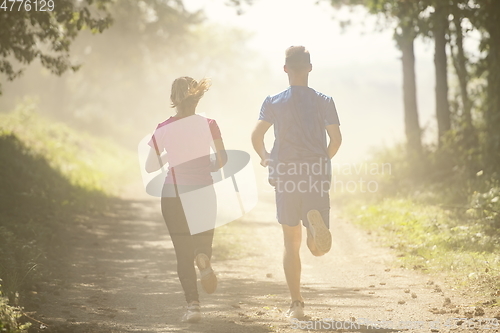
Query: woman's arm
<point x="153" y="163"/>
<point x="220" y="155"/>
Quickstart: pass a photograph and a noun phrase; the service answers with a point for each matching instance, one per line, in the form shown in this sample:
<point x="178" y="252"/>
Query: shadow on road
<point x="122" y="278"/>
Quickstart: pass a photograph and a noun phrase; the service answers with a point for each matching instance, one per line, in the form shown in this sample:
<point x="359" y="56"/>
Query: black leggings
<point x="186" y="246"/>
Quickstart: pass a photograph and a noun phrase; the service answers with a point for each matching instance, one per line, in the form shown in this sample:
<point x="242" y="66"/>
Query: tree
<point x="123" y="87"/>
<point x="439" y="22"/>
<point x="405" y="40"/>
<point x="239" y="5"/>
<point x="28" y="33"/>
<point x="487" y="18"/>
<point x="460" y="64"/>
<point x="406" y="14"/>
<point x="144" y="35"/>
<point x="470" y="142"/>
<point x="484" y="17"/>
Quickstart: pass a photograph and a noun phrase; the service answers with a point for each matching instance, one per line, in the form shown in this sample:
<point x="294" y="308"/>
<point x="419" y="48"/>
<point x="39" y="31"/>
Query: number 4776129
<point x="27" y="5"/>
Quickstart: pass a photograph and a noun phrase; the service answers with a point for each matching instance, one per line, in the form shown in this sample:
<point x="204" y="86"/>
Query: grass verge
<point x="433" y="239"/>
<point x="50" y="175"/>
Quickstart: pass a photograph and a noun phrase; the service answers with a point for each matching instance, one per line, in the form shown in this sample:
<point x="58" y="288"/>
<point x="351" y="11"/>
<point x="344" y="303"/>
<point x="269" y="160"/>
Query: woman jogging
<point x="184" y="141"/>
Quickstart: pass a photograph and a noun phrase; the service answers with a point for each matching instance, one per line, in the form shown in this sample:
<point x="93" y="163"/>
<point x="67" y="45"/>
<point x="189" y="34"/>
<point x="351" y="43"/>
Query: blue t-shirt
<point x="299" y="115"/>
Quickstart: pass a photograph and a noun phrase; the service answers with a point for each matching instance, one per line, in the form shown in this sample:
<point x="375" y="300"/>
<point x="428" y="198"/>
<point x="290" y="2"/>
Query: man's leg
<point x="291" y="259"/>
<point x="288" y="204"/>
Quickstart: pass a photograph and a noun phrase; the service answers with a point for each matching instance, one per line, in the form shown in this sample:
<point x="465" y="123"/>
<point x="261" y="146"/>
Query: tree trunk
<point x="412" y="126"/>
<point x="493" y="80"/>
<point x="460" y="64"/>
<point x="440" y="63"/>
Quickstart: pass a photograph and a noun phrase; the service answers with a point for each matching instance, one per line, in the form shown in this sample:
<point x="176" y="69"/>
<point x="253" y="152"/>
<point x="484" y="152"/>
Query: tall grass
<point x="9" y="318"/>
<point x="86" y="161"/>
<point x="433" y="239"/>
<point x="49" y="175"/>
<point x="441" y="217"/>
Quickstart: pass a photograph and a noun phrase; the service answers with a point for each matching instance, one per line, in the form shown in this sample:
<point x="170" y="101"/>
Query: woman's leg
<point x="203" y="241"/>
<point x="182" y="240"/>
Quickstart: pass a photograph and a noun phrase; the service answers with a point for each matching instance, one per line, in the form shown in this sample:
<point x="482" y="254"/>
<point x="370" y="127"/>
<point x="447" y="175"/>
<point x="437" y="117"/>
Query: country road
<point x="123" y="279"/>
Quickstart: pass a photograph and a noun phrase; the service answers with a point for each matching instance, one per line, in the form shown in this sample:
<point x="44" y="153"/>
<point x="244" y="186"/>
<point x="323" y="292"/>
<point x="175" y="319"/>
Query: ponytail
<point x="186" y="92"/>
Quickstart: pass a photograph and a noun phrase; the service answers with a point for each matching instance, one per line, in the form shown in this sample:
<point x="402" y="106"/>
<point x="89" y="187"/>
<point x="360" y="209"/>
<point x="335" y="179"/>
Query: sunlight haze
<point x="359" y="67"/>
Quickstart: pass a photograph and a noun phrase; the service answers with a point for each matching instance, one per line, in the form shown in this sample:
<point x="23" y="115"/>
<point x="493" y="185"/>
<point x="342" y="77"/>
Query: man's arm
<point x="335" y="139"/>
<point x="258" y="141"/>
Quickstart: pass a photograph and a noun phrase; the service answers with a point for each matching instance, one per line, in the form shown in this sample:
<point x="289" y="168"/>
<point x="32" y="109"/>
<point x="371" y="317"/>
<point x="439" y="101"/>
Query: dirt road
<point x="123" y="279"/>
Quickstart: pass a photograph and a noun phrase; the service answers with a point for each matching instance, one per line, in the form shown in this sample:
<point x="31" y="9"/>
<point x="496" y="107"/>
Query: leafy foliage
<point x="47" y="35"/>
<point x="452" y="22"/>
<point x="486" y="208"/>
<point x="9" y="316"/>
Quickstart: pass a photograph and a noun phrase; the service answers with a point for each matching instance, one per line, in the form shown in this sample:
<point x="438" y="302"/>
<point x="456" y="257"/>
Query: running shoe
<point x="296" y="310"/>
<point x="192" y="314"/>
<point x="207" y="276"/>
<point x="320" y="233"/>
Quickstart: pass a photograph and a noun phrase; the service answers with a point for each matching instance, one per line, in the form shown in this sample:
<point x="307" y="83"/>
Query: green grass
<point x="436" y="240"/>
<point x="50" y="176"/>
<point x="86" y="161"/>
<point x="230" y="241"/>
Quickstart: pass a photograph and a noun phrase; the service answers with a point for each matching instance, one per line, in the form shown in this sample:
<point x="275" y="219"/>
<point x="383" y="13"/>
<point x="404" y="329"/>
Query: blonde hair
<point x="186" y="92"/>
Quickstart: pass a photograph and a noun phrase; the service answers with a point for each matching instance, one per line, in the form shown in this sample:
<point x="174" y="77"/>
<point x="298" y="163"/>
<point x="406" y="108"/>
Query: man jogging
<point x="299" y="164"/>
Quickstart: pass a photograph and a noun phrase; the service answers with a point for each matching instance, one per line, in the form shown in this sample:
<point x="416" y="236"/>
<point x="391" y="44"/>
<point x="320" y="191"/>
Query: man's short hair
<point x="297" y="57"/>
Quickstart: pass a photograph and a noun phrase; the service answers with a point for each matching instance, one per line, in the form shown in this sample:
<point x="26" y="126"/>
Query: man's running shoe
<point x="320" y="233"/>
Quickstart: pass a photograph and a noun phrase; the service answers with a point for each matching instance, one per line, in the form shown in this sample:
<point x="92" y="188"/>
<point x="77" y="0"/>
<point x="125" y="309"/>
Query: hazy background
<point x="122" y="90"/>
<point x="73" y="139"/>
<point x="359" y="66"/>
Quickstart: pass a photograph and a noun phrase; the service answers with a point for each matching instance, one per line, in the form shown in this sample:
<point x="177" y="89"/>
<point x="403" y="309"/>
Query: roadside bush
<point x="49" y="175"/>
<point x="485" y="207"/>
<point x="9" y="316"/>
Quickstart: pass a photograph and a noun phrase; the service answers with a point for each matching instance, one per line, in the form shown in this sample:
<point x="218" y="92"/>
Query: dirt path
<point x="123" y="279"/>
